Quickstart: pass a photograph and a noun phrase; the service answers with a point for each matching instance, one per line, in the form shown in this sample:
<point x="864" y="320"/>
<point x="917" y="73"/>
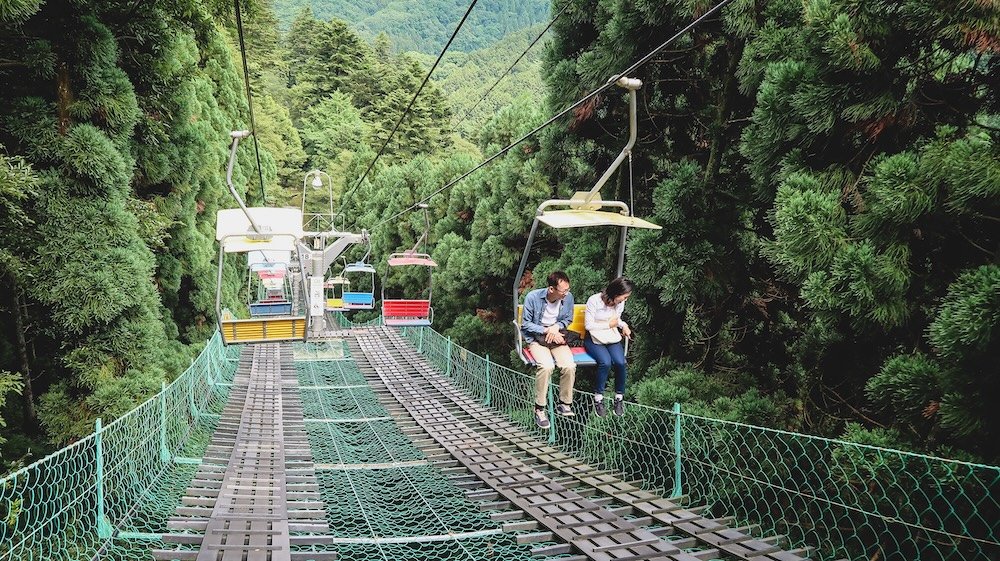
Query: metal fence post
<point x="164" y="450"/>
<point x="420" y="345"/>
<point x="677" y="450"/>
<point x="207" y="368"/>
<point x="447" y="367"/>
<point x="552" y="416"/>
<point x="104" y="530"/>
<point x="489" y="383"/>
<point x="191" y="403"/>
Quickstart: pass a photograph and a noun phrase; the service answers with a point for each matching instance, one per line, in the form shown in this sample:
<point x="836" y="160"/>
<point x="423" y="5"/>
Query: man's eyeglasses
<point x="557" y="291"/>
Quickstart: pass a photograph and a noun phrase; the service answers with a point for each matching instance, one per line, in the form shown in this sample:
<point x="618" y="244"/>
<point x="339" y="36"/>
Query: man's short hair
<point x="557" y="276"/>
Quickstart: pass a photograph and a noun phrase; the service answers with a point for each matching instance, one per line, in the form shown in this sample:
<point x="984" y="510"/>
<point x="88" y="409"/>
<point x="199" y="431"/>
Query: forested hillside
<point x="466" y="77"/>
<point x="111" y="121"/>
<point x="827" y="180"/>
<point x="424" y="25"/>
<point x="826" y="173"/>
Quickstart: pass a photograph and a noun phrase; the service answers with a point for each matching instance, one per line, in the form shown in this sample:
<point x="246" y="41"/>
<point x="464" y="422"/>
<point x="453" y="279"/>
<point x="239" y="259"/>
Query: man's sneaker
<point x="540" y="419"/>
<point x="599" y="409"/>
<point x="618" y="407"/>
<point x="564" y="410"/>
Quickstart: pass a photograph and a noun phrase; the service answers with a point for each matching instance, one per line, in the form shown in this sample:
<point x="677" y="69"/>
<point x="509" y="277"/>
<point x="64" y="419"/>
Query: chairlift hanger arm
<point x="427" y="228"/>
<point x="631" y="84"/>
<point x="585" y="206"/>
<point x="334" y="250"/>
<point x="237" y="136"/>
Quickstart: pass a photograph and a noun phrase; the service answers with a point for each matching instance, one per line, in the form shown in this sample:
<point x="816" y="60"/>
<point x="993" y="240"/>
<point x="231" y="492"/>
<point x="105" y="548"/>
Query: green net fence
<point x="384" y="499"/>
<point x="846" y="500"/>
<point x="107" y="495"/>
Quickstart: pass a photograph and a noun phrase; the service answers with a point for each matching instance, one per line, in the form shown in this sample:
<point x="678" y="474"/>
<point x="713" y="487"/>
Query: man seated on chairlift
<point x="547" y="313"/>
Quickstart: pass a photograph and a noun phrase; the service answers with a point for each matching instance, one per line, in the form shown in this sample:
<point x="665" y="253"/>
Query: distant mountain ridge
<point x="424" y="25"/>
<point x="466" y="76"/>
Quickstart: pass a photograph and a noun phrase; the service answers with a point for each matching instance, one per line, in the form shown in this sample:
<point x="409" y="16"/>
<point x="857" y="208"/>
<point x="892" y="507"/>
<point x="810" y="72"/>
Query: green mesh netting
<point x="108" y="496"/>
<point x="122" y="482"/>
<point x="498" y="547"/>
<point x="846" y="500"/>
<point x="383" y="499"/>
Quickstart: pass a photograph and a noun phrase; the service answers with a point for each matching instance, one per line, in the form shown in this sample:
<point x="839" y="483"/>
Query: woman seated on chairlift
<point x="605" y="329"/>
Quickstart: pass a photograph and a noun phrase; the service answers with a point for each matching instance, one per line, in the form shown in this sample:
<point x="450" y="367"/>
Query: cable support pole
<point x="557" y="116"/>
<point x="246" y="81"/>
<point x="511" y="67"/>
<point x="406" y="111"/>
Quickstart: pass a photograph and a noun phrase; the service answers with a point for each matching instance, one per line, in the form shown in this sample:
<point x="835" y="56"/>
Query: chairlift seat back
<point x="407" y="312"/>
<point x="275" y="308"/>
<point x="359" y="300"/>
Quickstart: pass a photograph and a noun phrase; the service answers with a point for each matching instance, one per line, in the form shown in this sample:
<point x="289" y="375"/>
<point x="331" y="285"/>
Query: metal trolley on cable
<point x="409" y="311"/>
<point x="585" y="209"/>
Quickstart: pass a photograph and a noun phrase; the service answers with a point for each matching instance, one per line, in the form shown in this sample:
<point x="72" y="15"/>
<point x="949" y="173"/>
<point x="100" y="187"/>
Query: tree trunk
<point x="20" y="311"/>
<point x="719" y="316"/>
<point x="719" y="132"/>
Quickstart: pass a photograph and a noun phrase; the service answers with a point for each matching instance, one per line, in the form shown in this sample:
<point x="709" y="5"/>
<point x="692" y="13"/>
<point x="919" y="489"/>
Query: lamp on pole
<point x="317" y="184"/>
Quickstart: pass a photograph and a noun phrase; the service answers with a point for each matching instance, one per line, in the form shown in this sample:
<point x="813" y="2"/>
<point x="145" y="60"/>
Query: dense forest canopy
<point x="424" y="25"/>
<point x="826" y="174"/>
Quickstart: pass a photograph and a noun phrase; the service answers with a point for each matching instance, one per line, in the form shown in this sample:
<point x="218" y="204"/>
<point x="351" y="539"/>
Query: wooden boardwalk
<point x="256" y="484"/>
<point x="256" y="496"/>
<point x="511" y="465"/>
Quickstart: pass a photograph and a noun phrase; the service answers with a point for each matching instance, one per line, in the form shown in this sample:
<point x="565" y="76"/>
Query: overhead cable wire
<point x="343" y="200"/>
<point x="246" y="80"/>
<point x="511" y="67"/>
<point x="562" y="113"/>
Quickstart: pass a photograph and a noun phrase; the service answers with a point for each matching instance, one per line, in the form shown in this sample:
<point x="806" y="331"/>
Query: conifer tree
<point x="872" y="136"/>
<point x="124" y="114"/>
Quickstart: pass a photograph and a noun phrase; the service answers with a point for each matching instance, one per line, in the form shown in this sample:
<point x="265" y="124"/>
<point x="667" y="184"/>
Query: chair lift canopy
<point x="282" y="227"/>
<point x="583" y="218"/>
<point x="259" y="260"/>
<point x="401" y="259"/>
<point x="359" y="267"/>
<point x="335" y="281"/>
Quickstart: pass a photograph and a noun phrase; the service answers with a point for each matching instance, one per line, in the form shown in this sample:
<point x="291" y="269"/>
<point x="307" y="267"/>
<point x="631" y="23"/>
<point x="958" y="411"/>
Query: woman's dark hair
<point x="616" y="288"/>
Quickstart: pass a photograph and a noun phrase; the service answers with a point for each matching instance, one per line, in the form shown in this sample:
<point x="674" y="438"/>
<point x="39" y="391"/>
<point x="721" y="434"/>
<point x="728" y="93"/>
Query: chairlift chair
<point x="359" y="274"/>
<point x="275" y="230"/>
<point x="408" y="311"/>
<point x="585" y="209"/>
<point x="273" y="291"/>
<point x="334" y="288"/>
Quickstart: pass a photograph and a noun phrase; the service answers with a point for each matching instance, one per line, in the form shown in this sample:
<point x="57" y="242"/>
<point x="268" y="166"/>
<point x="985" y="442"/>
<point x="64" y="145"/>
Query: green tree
<point x="871" y="137"/>
<point x="322" y="58"/>
<point x="124" y="116"/>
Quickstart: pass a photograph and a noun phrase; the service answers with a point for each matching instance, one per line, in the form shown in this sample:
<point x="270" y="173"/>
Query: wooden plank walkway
<point x="648" y="508"/>
<point x="256" y="496"/>
<point x="593" y="530"/>
<point x="256" y="484"/>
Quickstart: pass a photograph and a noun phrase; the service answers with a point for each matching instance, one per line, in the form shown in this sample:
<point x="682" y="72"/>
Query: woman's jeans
<point x="606" y="357"/>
